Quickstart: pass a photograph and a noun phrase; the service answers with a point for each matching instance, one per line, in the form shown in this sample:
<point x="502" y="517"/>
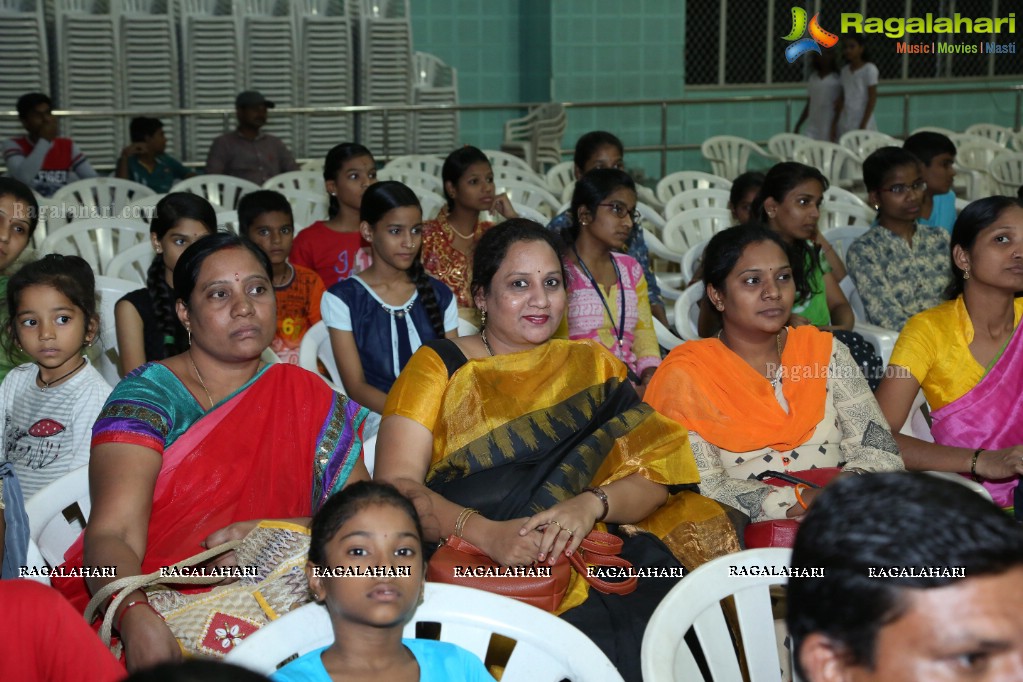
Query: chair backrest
<point x="684" y="230"/>
<point x="783" y="144"/>
<point x="96" y="198"/>
<point x="430" y="202"/>
<point x="675" y="183"/>
<point x="110" y="290"/>
<point x="863" y="142"/>
<point x="530" y="213"/>
<point x="144" y="208"/>
<point x="511" y="166"/>
<point x="305" y="180"/>
<point x="696" y="603"/>
<point x="411" y="176"/>
<point x="528" y="194"/>
<point x="227" y="219"/>
<point x="835" y="214"/>
<point x="49" y="527"/>
<point x="729" y="154"/>
<point x="687" y="312"/>
<point x="546" y="648"/>
<point x="306" y="207"/>
<point x="652" y="220"/>
<point x="222" y="190"/>
<point x="1007" y="170"/>
<point x="665" y="338"/>
<point x="977" y="153"/>
<point x="834" y="193"/>
<point x="315" y="346"/>
<point x="424" y="163"/>
<point x="560" y="176"/>
<point x="848" y="286"/>
<point x="97" y="240"/>
<point x="692" y="257"/>
<point x="837" y="163"/>
<point x="702" y="197"/>
<point x="657" y="248"/>
<point x="991" y="131"/>
<point x="132" y="264"/>
<point x="841" y="238"/>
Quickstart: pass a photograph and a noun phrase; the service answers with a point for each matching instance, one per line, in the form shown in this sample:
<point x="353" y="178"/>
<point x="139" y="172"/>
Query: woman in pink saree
<point x="967" y="356"/>
<point x="195" y="450"/>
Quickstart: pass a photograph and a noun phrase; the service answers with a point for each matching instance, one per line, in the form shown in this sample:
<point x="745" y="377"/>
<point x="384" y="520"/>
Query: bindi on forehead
<point x="236" y="278"/>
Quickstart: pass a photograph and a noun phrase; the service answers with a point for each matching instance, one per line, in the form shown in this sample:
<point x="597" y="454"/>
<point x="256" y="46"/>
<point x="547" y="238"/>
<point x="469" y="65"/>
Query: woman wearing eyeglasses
<point x="900" y="267"/>
<point x="607" y="292"/>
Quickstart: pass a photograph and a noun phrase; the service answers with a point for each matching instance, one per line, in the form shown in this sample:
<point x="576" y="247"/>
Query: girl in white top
<point x="48" y="406"/>
<point x="855" y="107"/>
<point x="823" y="90"/>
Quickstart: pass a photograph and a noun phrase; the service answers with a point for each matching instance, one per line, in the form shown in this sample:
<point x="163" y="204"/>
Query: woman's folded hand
<point x="236" y="531"/>
<point x="147" y="639"/>
<point x="565" y="525"/>
<point x="505" y="544"/>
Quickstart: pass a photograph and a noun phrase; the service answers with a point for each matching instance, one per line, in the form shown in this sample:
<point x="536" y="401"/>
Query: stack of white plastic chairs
<point x="86" y="50"/>
<point x="211" y="67"/>
<point x="325" y="61"/>
<point x="149" y="62"/>
<point x="24" y="61"/>
<point x="385" y="74"/>
<point x="436" y="132"/>
<point x="267" y="49"/>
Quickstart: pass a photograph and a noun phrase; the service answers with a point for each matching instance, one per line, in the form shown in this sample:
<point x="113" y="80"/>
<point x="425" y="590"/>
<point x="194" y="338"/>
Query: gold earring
<point x="189" y="337"/>
<point x="877" y="207"/>
<point x="159" y="251"/>
<point x="483" y="318"/>
<point x="770" y="214"/>
<point x="966" y="273"/>
<point x="720" y="306"/>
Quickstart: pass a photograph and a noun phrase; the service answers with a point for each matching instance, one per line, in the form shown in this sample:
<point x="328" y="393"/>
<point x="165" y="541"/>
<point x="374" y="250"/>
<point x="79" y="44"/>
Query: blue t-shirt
<point x="438" y="662"/>
<point x="943" y="212"/>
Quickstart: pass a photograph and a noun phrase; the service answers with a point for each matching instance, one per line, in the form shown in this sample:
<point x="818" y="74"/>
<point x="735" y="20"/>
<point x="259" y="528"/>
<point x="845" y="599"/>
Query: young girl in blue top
<point x="379" y="317"/>
<point x="365" y="526"/>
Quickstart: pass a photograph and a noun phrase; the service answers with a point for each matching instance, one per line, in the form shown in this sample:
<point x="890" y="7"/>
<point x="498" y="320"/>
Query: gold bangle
<point x="463" y="516"/>
<point x="973" y="464"/>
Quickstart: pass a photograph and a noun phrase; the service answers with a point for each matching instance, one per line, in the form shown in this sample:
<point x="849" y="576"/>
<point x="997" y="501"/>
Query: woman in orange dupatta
<point x="762" y="396"/>
<point x="196" y="450"/>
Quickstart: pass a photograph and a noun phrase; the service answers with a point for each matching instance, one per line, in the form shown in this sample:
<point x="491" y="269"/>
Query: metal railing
<point x="663" y="147"/>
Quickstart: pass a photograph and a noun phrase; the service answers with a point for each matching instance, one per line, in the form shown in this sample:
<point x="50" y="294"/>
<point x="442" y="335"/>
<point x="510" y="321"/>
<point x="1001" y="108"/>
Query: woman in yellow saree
<point x="546" y="439"/>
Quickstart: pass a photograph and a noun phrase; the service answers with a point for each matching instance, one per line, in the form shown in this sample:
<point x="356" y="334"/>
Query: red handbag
<point x="459" y="562"/>
<point x="782" y="532"/>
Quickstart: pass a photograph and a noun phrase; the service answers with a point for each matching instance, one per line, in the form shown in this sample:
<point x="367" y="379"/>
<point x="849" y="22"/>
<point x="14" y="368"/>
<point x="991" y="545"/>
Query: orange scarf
<point x="710" y="390"/>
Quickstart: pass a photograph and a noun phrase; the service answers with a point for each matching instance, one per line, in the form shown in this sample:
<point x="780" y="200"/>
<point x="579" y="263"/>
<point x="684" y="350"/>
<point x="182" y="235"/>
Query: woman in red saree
<point x="194" y="451"/>
<point x="967" y="356"/>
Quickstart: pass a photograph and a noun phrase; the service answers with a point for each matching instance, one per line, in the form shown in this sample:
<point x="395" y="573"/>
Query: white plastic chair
<point x="665" y="338"/>
<point x="430" y="202"/>
<point x="679" y="182"/>
<point x="305" y="180"/>
<point x="424" y="163"/>
<point x="834" y="193"/>
<point x="975" y="156"/>
<point x="729" y="154"/>
<point x="561" y="176"/>
<point x="222" y="190"/>
<point x="839" y="165"/>
<point x="993" y="132"/>
<point x="704" y="197"/>
<point x="110" y="290"/>
<point x="838" y="214"/>
<point x="49" y="528"/>
<point x="132" y="264"/>
<point x="316" y="346"/>
<point x="100" y="197"/>
<point x="227" y="219"/>
<point x="783" y="144"/>
<point x="529" y="194"/>
<point x="410" y="176"/>
<point x="841" y="238"/>
<point x="306" y="207"/>
<point x="530" y="213"/>
<point x="510" y="166"/>
<point x="687" y="312"/>
<point x="650" y="219"/>
<point x="537" y="135"/>
<point x="689" y="260"/>
<point x="143" y="208"/>
<point x="97" y="240"/>
<point x="1017" y="141"/>
<point x="547" y="648"/>
<point x="688" y="228"/>
<point x="1007" y="170"/>
<point x="696" y="603"/>
<point x="863" y="142"/>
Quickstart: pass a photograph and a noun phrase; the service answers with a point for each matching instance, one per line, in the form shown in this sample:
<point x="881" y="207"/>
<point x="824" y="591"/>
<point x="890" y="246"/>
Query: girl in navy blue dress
<point x="380" y="316"/>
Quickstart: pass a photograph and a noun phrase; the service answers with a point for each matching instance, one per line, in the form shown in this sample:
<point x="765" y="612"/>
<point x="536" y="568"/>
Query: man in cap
<point x="246" y="152"/>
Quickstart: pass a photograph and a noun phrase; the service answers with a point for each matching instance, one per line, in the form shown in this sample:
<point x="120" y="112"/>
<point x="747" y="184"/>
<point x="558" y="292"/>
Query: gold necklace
<point x="199" y="377"/>
<point x="483" y="335"/>
<point x="471" y="235"/>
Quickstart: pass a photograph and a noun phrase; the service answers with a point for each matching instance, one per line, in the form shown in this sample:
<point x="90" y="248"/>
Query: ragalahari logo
<point x="818" y="36"/>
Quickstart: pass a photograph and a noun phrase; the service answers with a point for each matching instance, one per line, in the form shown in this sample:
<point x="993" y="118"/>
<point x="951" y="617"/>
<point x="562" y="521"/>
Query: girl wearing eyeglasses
<point x="607" y="292"/>
<point x="900" y="267"/>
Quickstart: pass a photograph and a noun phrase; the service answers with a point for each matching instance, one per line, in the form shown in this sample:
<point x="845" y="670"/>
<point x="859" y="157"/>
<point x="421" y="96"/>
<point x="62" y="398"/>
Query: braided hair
<point x="172" y="209"/>
<point x="381" y="198"/>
